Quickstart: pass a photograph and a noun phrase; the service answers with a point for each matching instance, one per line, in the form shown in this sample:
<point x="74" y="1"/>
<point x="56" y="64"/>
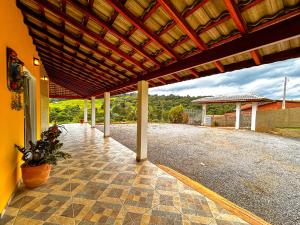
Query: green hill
<point x="123" y="108"/>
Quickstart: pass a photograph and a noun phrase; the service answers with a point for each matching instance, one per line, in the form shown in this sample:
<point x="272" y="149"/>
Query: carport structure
<point x="98" y="48"/>
<point x="238" y="100"/>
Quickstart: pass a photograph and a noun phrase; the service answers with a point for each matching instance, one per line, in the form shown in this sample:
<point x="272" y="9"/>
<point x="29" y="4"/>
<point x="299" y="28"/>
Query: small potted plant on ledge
<point x="39" y="157"/>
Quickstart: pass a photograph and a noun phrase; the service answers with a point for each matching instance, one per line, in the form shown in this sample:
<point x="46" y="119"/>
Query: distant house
<point x="264" y="106"/>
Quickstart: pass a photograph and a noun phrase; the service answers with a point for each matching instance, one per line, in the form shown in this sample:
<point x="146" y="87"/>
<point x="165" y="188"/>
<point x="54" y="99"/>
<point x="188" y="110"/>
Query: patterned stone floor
<point x="103" y="184"/>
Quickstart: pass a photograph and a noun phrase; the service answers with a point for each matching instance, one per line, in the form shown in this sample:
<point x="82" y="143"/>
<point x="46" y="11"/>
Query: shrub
<point x="176" y="114"/>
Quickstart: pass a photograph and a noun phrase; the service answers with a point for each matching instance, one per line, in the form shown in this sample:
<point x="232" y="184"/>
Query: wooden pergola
<point x="96" y="46"/>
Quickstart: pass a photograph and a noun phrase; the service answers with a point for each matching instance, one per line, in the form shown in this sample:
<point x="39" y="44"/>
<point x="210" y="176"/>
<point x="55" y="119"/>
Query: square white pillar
<point x="142" y="120"/>
<point x="253" y="116"/>
<point x="85" y="111"/>
<point x="106" y="114"/>
<point x="204" y="107"/>
<point x="237" y="115"/>
<point x="93" y="112"/>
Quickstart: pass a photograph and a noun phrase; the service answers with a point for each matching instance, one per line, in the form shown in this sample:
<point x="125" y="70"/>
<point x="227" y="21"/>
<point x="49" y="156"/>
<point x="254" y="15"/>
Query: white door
<point x="30" y="128"/>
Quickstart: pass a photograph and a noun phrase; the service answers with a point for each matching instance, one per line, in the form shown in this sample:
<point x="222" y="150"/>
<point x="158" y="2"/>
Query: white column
<point x="142" y="120"/>
<point x="106" y="114"/>
<point x="253" y="116"/>
<point x="203" y="114"/>
<point x="238" y="116"/>
<point x="93" y="112"/>
<point x="85" y="111"/>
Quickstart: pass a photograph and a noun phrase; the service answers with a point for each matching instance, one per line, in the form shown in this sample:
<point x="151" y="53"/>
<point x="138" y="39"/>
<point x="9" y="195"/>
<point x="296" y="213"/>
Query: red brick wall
<point x="275" y="105"/>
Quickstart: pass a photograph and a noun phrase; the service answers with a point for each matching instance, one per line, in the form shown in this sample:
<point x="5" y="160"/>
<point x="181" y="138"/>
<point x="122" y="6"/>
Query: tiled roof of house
<point x="232" y="99"/>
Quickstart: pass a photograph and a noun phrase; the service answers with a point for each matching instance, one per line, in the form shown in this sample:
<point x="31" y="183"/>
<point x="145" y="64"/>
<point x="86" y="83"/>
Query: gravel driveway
<point x="259" y="172"/>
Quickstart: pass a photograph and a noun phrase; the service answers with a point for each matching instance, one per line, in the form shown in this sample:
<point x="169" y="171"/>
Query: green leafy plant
<point x="45" y="150"/>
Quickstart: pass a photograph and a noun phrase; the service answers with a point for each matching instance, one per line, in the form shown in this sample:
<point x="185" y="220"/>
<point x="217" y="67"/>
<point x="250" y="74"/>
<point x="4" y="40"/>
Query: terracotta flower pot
<point x="35" y="176"/>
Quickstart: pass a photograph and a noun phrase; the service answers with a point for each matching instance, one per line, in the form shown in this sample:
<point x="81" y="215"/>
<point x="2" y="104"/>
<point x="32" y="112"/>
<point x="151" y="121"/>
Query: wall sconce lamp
<point x="36" y="61"/>
<point x="44" y="78"/>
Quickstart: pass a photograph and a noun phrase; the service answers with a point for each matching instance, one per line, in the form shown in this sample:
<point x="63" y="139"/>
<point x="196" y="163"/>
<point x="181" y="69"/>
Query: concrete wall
<point x="229" y="120"/>
<point x="268" y="120"/>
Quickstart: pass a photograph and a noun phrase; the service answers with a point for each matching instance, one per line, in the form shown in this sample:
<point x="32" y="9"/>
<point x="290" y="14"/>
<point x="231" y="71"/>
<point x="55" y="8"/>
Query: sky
<point x="265" y="80"/>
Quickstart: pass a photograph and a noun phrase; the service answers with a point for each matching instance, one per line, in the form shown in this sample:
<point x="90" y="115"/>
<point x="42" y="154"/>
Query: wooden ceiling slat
<point x="137" y="23"/>
<point x="51" y="56"/>
<point x="73" y="74"/>
<point x="82" y="28"/>
<point x="225" y="16"/>
<point x="187" y="29"/>
<point x="176" y="77"/>
<point x="57" y="28"/>
<point x="174" y="14"/>
<point x="241" y="25"/>
<point x="106" y="26"/>
<point x="69" y="85"/>
<point x="82" y="76"/>
<point x="79" y="85"/>
<point x="289" y="28"/>
<point x="74" y="56"/>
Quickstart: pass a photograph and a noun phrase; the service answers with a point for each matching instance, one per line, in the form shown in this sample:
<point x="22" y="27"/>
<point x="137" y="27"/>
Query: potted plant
<point x="39" y="157"/>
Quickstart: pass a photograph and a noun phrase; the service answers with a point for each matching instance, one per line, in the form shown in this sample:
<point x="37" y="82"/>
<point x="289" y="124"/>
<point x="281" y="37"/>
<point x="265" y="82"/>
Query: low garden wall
<point x="229" y="120"/>
<point x="268" y="120"/>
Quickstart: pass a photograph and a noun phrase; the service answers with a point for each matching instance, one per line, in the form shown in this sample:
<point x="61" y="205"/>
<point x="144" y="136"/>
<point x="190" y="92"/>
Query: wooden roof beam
<point x="106" y="26"/>
<point x="194" y="72"/>
<point x="64" y="96"/>
<point x="236" y="15"/>
<point x="80" y="74"/>
<point x="241" y="25"/>
<point x="137" y="23"/>
<point x="256" y="57"/>
<point x="68" y="85"/>
<point x="191" y="9"/>
<point x="176" y="77"/>
<point x="172" y="11"/>
<point x="46" y="43"/>
<point x="174" y="14"/>
<point x="83" y="29"/>
<point x="66" y="77"/>
<point x="75" y="75"/>
<point x="49" y="55"/>
<point x="224" y="17"/>
<point x="289" y="28"/>
<point x="69" y="35"/>
<point x="146" y="16"/>
<point x="74" y="64"/>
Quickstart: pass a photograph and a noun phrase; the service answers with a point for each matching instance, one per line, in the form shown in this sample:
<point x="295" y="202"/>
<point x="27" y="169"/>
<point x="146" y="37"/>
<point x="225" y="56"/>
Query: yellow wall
<point x="14" y="34"/>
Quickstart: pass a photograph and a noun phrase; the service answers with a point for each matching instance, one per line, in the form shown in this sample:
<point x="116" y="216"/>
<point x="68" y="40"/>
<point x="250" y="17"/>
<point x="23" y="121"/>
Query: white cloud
<point x="266" y="80"/>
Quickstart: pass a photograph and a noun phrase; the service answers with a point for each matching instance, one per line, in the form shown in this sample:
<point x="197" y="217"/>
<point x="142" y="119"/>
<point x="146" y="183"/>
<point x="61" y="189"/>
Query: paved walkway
<point x="259" y="172"/>
<point x="103" y="184"/>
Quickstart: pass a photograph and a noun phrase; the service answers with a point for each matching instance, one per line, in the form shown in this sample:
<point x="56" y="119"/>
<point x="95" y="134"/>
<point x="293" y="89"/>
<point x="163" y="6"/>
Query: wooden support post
<point x="85" y="111"/>
<point x="142" y="120"/>
<point x="106" y="114"/>
<point x="93" y="112"/>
